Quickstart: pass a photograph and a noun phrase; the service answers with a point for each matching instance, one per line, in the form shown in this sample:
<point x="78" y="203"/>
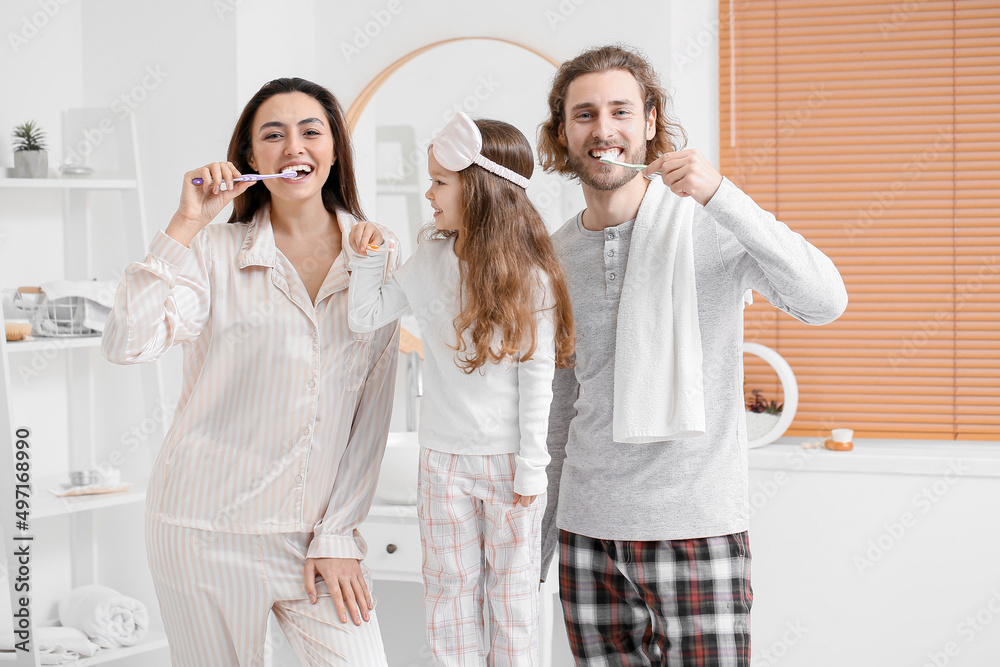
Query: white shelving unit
<point x="81" y="355"/>
<point x="95" y="181"/>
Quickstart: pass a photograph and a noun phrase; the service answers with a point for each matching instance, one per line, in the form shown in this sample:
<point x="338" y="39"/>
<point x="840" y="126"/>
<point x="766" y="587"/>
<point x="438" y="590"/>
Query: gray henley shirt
<point x="679" y="489"/>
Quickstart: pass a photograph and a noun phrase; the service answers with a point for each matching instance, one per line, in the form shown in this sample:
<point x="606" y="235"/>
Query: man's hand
<point x="347" y="586"/>
<point x="687" y="174"/>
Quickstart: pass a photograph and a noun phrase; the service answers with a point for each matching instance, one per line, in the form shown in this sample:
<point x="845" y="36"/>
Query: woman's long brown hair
<point x="505" y="252"/>
<point x="340" y="190"/>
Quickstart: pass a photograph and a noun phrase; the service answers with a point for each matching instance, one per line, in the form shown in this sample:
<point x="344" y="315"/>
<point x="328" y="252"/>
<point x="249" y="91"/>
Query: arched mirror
<point x="401" y="110"/>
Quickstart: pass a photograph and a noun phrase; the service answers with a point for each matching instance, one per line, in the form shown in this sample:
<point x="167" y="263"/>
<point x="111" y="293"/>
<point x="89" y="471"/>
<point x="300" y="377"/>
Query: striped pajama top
<point x="283" y="413"/>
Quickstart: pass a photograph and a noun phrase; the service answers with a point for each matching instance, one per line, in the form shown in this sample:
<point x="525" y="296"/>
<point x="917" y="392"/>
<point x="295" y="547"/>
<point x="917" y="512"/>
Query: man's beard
<point x="605" y="177"/>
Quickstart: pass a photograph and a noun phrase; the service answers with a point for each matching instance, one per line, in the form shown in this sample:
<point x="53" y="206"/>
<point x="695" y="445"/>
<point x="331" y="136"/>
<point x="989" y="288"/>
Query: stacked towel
<point x="109" y="618"/>
<point x="56" y="646"/>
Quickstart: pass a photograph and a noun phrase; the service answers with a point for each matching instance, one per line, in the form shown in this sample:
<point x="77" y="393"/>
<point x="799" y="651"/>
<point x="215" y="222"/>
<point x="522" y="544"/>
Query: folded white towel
<point x="109" y="618"/>
<point x="99" y="291"/>
<point x="56" y="645"/>
<point x="659" y="384"/>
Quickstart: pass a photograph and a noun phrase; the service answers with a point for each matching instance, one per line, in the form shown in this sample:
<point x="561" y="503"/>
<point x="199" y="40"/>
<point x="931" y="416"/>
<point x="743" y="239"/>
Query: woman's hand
<point x="201" y="203"/>
<point x="363" y="234"/>
<point x="688" y="174"/>
<point x="347" y="586"/>
<point x="524" y="501"/>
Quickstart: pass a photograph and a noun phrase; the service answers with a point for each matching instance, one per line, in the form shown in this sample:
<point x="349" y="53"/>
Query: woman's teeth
<point x="304" y="168"/>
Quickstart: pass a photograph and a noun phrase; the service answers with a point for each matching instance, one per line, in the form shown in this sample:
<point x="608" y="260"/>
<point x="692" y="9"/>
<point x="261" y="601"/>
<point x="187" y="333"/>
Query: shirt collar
<point x="258" y="245"/>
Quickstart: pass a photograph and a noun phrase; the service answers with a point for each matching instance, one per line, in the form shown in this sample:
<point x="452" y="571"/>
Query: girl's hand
<point x="363" y="234"/>
<point x="201" y="203"/>
<point x="346" y="583"/>
<point x="688" y="174"/>
<point x="524" y="501"/>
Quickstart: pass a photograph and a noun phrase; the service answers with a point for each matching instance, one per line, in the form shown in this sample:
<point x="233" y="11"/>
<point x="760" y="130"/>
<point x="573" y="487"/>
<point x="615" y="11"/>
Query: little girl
<point x="494" y="314"/>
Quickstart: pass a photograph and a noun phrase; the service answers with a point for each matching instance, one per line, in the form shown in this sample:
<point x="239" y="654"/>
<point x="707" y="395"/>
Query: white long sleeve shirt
<point x="497" y="409"/>
<point x="283" y="414"/>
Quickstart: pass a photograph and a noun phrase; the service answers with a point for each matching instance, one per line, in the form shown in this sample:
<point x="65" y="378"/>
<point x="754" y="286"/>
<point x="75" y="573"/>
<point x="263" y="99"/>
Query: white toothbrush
<point x="627" y="165"/>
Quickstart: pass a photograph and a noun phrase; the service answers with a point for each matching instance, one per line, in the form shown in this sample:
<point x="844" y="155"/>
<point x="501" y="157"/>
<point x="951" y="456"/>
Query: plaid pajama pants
<point x="478" y="546"/>
<point x="674" y="602"/>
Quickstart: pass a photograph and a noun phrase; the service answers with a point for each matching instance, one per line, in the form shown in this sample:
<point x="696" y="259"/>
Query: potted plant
<point x="30" y="158"/>
<point x="762" y="415"/>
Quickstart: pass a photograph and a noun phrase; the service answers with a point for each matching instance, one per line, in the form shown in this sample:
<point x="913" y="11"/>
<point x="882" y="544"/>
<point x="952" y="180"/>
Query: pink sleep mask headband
<point x="458" y="145"/>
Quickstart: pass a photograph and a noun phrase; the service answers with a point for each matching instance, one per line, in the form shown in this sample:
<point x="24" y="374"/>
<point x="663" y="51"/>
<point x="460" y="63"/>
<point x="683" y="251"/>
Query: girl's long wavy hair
<point x="340" y="190"/>
<point x="506" y="250"/>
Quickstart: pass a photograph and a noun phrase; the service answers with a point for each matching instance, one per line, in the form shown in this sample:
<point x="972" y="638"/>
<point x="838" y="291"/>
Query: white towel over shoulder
<point x="659" y="384"/>
<point x="109" y="618"/>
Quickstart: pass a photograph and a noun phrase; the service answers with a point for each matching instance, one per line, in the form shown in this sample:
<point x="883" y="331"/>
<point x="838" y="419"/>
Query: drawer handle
<point x="391" y="548"/>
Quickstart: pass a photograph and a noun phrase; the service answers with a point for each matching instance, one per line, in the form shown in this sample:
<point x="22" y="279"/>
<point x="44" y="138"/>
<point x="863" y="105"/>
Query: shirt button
<point x="611" y="276"/>
<point x="611" y="253"/>
<point x="312" y="383"/>
<point x="611" y="236"/>
<point x="306" y="431"/>
<point x="315" y="335"/>
<point x="298" y="479"/>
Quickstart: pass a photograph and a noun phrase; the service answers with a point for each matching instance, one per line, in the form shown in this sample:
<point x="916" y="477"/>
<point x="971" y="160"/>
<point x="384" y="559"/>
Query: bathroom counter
<point x="904" y="457"/>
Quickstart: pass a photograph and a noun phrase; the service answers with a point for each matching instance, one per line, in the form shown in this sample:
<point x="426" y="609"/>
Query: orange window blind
<point x="873" y="128"/>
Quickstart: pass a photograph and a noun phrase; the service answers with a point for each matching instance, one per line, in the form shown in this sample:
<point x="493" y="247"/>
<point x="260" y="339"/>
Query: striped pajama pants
<point x="215" y="591"/>
<point x="480" y="553"/>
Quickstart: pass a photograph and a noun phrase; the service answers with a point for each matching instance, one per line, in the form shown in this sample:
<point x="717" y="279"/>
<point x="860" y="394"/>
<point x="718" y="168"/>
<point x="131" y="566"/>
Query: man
<point x="647" y="492"/>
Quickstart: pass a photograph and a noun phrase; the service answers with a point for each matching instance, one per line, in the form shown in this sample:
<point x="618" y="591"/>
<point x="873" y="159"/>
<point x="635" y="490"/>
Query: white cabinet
<point x="30" y="503"/>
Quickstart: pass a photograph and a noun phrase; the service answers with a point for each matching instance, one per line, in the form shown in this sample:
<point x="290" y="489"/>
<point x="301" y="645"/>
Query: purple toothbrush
<point x="251" y="177"/>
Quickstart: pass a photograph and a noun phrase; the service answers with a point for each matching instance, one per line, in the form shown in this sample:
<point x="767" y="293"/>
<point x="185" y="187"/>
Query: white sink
<point x="397" y="482"/>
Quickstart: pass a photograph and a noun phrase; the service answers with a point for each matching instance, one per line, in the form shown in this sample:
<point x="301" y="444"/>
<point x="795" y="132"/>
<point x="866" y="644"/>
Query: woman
<point x="273" y="456"/>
